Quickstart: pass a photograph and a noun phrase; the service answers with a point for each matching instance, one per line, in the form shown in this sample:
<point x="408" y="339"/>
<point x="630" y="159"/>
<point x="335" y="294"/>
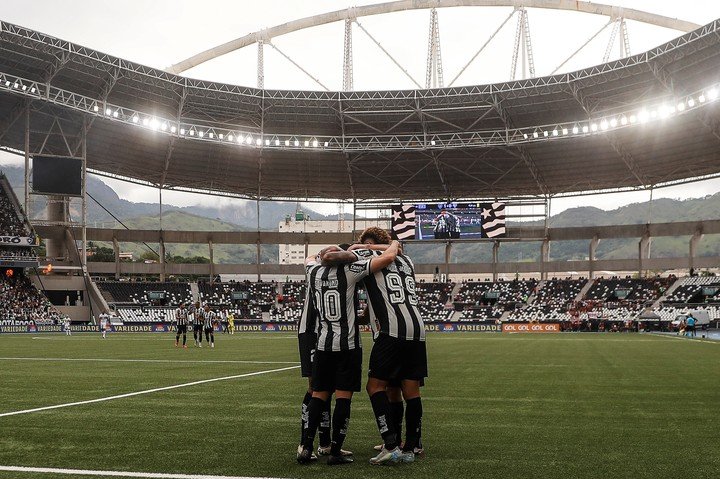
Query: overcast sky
<point x="160" y="33"/>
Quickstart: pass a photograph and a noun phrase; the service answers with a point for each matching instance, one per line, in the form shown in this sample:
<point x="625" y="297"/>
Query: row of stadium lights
<point x="642" y="116"/>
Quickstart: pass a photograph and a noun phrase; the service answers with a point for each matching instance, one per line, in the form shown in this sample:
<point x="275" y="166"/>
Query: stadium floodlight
<point x="24" y="87"/>
<point x="713" y="94"/>
<point x="221" y="136"/>
<point x="95" y="107"/>
<point x="277" y="142"/>
<point x="182" y="131"/>
<point x="701" y="98"/>
<point x="163" y="127"/>
<point x="613" y="122"/>
<point x="326" y="144"/>
<point x="258" y="142"/>
<point x="201" y="134"/>
<point x="681" y="106"/>
<point x="135" y="119"/>
<point x="564" y="131"/>
<point x="643" y="116"/>
<point x="16" y="85"/>
<point x="115" y="114"/>
<point x="545" y="133"/>
<point x="211" y="135"/>
<point x="604" y="125"/>
<point x="315" y="143"/>
<point x="173" y="129"/>
<point x="146" y="122"/>
<point x="525" y="135"/>
<point x="632" y="119"/>
<point x="623" y="120"/>
<point x="554" y="133"/>
<point x="240" y="139"/>
<point x="307" y="143"/>
<point x="287" y="142"/>
<point x="7" y="83"/>
<point x="192" y="132"/>
<point x="108" y="111"/>
<point x="535" y="134"/>
<point x="297" y="143"/>
<point x="32" y="90"/>
<point x="585" y="128"/>
<point x="154" y="124"/>
<point x="230" y="138"/>
<point x="575" y="130"/>
<point x="267" y="142"/>
<point x="432" y="142"/>
<point x="691" y="102"/>
<point x="594" y="127"/>
<point x="248" y="140"/>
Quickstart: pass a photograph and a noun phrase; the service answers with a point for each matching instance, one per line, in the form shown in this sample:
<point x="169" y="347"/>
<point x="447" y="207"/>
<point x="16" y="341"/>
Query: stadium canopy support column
<point x="448" y="252"/>
<point x="643" y="250"/>
<point x="495" y="254"/>
<point x="162" y="257"/>
<point x="27" y="159"/>
<point x="694" y="241"/>
<point x="591" y="256"/>
<point x="83" y="260"/>
<point x="544" y="258"/>
<point x="212" y="261"/>
<point x="116" y="251"/>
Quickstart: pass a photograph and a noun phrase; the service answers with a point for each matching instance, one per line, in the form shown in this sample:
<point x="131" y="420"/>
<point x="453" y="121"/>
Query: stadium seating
<point x="690" y="290"/>
<point x="432" y="300"/>
<point x="23" y="304"/>
<point x="552" y="301"/>
<point x="488" y="300"/>
<point x="11" y="223"/>
<point x="137" y="292"/>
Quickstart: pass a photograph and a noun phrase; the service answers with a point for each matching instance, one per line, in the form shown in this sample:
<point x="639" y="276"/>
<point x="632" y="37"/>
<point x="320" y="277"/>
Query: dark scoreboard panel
<point x="57" y="176"/>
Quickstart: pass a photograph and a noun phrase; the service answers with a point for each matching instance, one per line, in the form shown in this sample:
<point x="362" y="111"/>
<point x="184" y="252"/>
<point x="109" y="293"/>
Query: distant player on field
<point x="208" y="321"/>
<point x="181" y="324"/>
<point x="231" y="321"/>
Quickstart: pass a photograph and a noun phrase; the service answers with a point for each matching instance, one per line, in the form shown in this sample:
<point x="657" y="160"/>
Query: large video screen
<point x="427" y="221"/>
<point x="57" y="176"/>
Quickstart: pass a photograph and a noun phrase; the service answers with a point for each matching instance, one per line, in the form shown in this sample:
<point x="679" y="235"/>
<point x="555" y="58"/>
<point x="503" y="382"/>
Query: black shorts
<point x="394" y="359"/>
<point x="337" y="370"/>
<point x="307" y="342"/>
<point x="209" y="330"/>
<point x="182" y="329"/>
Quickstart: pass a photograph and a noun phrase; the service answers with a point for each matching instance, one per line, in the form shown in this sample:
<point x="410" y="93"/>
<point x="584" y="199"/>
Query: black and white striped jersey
<point x="308" y="320"/>
<point x="392" y="300"/>
<point x="333" y="292"/>
<point x="208" y="318"/>
<point x="181" y="317"/>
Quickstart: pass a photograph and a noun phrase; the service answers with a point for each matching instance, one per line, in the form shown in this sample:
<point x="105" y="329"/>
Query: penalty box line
<point x="147" y="391"/>
<point x="87" y="472"/>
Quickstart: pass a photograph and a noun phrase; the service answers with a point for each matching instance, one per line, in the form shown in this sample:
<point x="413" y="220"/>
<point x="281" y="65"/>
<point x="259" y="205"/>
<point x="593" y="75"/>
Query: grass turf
<point x="500" y="406"/>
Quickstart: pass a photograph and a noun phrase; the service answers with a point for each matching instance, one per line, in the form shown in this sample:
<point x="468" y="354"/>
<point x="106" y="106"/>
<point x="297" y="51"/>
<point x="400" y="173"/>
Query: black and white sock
<point x="397" y="411"/>
<point x="304" y="416"/>
<point x="340" y="421"/>
<point x="314" y="412"/>
<point x="413" y="421"/>
<point x="324" y="428"/>
<point x="381" y="409"/>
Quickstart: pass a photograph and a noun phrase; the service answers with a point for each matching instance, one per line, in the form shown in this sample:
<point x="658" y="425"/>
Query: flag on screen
<point x="493" y="220"/>
<point x="403" y="222"/>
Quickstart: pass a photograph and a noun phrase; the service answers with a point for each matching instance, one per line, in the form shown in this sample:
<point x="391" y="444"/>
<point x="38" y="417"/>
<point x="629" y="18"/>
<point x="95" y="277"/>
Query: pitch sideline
<point x="88" y="472"/>
<point x="146" y="391"/>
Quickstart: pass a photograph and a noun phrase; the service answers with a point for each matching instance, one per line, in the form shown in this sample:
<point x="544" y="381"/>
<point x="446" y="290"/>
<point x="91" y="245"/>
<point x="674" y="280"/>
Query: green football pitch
<point x="495" y="406"/>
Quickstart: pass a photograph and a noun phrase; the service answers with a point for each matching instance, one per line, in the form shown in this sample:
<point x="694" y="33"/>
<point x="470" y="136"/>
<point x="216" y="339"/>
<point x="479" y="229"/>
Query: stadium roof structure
<point x="646" y="120"/>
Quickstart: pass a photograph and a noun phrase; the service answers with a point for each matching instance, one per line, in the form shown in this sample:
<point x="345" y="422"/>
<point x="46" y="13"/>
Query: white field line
<point x="86" y="472"/>
<point x="146" y="391"/>
<point x="172" y="361"/>
<point x="683" y="338"/>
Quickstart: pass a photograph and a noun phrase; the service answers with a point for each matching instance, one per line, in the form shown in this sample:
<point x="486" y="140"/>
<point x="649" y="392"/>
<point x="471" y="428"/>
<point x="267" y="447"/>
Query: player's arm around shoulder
<point x="386" y="258"/>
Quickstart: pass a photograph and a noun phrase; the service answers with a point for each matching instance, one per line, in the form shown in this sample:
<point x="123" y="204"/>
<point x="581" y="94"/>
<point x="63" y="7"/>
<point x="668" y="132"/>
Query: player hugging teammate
<point x="398" y="361"/>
